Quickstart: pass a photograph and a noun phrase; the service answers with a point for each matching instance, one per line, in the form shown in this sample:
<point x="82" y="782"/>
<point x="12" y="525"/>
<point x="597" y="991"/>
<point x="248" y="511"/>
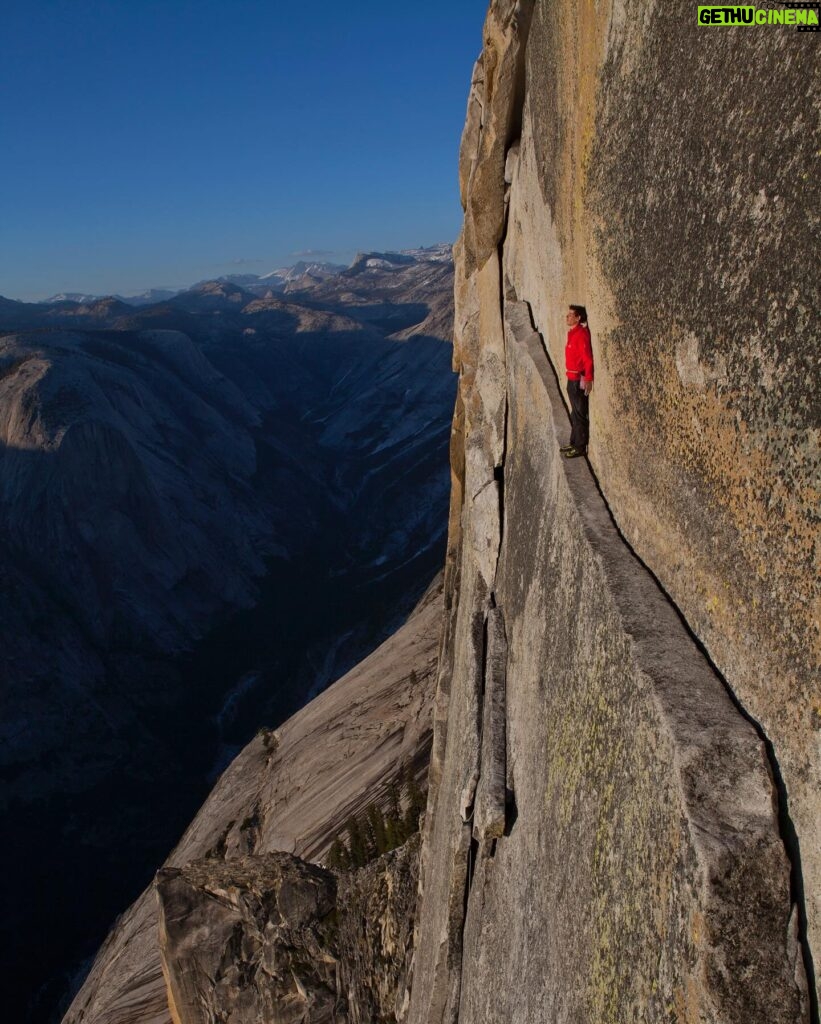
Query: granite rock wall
<point x="248" y="940"/>
<point x="376" y="908"/>
<point x="273" y="939"/>
<point x="659" y="858"/>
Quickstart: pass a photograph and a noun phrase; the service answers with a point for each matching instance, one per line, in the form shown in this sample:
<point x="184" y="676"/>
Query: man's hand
<point x="587" y="386"/>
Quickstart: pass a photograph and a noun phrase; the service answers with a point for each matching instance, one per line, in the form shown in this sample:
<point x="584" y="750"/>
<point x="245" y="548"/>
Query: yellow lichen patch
<point x="696" y="927"/>
<point x="687" y="1003"/>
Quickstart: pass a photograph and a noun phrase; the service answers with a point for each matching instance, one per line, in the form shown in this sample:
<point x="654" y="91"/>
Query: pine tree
<point x="416" y="802"/>
<point x="338" y="857"/>
<point x="356" y="843"/>
<point x="376" y="820"/>
<point x="394" y="823"/>
<point x="394" y="801"/>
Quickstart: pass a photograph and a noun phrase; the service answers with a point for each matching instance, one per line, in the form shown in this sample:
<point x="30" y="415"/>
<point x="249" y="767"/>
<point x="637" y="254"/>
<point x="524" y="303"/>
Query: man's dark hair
<point x="581" y="311"/>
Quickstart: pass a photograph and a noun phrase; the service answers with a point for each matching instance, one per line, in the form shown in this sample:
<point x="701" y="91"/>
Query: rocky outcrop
<point x="658" y="737"/>
<point x="272" y="939"/>
<point x="249" y="941"/>
<point x="292" y="790"/>
<point x="377" y="912"/>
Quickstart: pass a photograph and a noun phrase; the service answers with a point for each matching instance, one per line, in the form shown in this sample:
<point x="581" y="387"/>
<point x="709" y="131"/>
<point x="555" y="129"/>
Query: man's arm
<point x="587" y="362"/>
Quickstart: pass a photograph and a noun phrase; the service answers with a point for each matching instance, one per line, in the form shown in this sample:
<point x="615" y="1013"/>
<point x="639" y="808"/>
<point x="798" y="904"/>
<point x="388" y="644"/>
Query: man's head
<point x="576" y="315"/>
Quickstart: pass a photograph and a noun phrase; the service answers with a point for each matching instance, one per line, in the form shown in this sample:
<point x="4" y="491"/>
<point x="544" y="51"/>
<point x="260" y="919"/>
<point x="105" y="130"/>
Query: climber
<point x="578" y="356"/>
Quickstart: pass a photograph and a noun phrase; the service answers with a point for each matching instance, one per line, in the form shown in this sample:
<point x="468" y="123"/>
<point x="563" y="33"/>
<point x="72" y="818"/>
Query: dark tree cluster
<point x="376" y="831"/>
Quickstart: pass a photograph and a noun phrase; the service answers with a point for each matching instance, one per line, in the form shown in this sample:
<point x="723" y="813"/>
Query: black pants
<point x="579" y="415"/>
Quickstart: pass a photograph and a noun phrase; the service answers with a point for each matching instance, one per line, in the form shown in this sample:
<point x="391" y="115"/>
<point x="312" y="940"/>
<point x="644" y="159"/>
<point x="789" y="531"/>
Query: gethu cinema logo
<point x="803" y="15"/>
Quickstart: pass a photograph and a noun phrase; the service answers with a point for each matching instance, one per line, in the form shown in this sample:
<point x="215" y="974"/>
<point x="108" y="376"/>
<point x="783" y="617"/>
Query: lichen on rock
<point x="658" y="725"/>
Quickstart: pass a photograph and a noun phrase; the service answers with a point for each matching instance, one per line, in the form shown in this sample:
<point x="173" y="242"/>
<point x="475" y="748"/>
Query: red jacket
<point x="578" y="353"/>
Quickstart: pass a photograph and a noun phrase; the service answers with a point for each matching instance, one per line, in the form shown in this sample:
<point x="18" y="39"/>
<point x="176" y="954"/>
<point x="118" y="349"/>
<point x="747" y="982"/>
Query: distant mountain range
<point x="275" y="280"/>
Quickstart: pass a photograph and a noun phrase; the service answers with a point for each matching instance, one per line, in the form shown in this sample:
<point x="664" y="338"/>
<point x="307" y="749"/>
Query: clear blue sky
<point x="158" y="142"/>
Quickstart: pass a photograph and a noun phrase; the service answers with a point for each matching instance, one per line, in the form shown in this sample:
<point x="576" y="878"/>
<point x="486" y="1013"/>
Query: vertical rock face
<point x="274" y="940"/>
<point x="659" y="729"/>
<point x="376" y="909"/>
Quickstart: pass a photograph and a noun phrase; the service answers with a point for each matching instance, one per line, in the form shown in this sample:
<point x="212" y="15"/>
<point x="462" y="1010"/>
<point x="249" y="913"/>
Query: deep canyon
<point x="212" y="506"/>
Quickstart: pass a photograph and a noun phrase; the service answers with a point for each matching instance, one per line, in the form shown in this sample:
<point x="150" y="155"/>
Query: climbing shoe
<point x="574" y="453"/>
<point x="565" y="448"/>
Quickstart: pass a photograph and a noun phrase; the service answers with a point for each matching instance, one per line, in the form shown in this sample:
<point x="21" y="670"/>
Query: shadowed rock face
<point x="292" y="790"/>
<point x="274" y="940"/>
<point x="249" y="940"/>
<point x="377" y="913"/>
<point x="646" y="869"/>
<point x="209" y="509"/>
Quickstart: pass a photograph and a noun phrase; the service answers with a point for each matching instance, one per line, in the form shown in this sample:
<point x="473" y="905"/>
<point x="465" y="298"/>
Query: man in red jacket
<point x="578" y="357"/>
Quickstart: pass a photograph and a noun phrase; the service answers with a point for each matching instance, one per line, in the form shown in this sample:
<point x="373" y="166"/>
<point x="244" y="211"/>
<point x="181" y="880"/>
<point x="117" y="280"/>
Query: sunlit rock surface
<point x="620" y="157"/>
